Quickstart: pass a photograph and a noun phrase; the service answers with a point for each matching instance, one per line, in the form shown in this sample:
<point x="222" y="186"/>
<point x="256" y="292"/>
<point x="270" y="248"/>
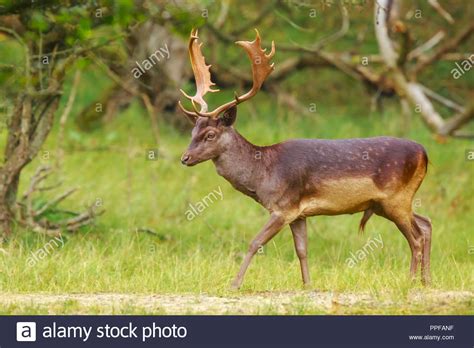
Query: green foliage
<point x="124" y="12"/>
<point x="38" y="21"/>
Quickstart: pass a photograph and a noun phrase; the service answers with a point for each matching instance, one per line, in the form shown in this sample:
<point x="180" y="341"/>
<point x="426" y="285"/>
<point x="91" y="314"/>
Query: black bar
<point x="242" y="331"/>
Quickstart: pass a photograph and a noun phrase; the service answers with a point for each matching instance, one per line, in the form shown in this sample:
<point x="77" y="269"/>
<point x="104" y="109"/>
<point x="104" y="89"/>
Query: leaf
<point x="39" y="22"/>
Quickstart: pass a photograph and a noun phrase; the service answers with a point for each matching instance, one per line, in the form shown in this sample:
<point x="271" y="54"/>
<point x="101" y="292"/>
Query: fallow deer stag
<point x="299" y="178"/>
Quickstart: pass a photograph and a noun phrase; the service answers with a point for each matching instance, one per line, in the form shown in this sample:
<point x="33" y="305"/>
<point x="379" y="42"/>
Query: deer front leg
<point x="300" y="237"/>
<point x="271" y="228"/>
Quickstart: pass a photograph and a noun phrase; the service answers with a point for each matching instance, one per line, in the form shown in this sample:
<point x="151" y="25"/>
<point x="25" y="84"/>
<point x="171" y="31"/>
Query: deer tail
<point x="426" y="160"/>
<point x="367" y="214"/>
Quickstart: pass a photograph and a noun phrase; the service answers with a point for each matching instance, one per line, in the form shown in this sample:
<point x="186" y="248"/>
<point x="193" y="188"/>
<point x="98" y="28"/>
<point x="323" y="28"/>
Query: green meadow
<point x="144" y="244"/>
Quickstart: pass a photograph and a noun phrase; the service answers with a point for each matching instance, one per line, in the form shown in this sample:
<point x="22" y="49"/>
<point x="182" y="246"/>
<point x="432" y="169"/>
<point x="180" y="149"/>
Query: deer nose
<point x="185" y="158"/>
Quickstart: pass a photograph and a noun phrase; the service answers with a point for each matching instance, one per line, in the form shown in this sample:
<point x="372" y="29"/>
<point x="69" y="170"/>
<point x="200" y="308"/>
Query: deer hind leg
<point x="271" y="228"/>
<point x="300" y="237"/>
<point x="404" y="220"/>
<point x="423" y="224"/>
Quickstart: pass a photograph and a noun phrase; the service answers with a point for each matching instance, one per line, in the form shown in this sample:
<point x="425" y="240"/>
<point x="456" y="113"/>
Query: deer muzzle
<point x="185" y="158"/>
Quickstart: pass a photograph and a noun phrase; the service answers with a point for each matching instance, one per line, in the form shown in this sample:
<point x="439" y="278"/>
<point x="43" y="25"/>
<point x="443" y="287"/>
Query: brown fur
<point x="307" y="177"/>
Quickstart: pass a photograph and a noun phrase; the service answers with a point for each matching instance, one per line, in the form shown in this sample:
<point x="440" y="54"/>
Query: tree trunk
<point x="22" y="146"/>
<point x="8" y="192"/>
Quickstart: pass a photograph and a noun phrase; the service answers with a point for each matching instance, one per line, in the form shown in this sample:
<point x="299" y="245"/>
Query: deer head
<point x="212" y="132"/>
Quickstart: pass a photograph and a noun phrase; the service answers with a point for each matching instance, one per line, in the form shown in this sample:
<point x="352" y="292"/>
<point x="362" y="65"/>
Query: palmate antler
<point x="261" y="68"/>
<point x="202" y="75"/>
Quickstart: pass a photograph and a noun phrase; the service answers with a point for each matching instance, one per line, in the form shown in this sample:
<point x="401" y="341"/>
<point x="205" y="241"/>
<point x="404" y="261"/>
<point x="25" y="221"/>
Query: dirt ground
<point x="301" y="302"/>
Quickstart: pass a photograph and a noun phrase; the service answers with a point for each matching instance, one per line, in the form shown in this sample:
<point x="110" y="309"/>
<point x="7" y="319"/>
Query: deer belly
<point x="341" y="196"/>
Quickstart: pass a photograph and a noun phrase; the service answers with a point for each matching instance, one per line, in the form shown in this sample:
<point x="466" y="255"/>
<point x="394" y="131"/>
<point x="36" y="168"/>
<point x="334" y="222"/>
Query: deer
<point x="299" y="178"/>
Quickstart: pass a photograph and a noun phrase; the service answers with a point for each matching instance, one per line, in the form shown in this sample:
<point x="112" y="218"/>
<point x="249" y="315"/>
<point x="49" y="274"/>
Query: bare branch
<point x="463" y="135"/>
<point x="447" y="47"/>
<point x="54" y="202"/>
<point x="222" y="14"/>
<point x="381" y="13"/>
<point x="445" y="14"/>
<point x="293" y="24"/>
<point x="64" y="117"/>
<point x="41" y="173"/>
<point x="457" y="121"/>
<point x="340" y="33"/>
<point x="415" y="95"/>
<point x="81" y="218"/>
<point x="31" y="218"/>
<point x="443" y="100"/>
<point x="428" y="45"/>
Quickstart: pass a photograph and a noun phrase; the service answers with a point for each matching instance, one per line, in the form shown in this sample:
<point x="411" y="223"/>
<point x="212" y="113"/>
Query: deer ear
<point x="229" y="116"/>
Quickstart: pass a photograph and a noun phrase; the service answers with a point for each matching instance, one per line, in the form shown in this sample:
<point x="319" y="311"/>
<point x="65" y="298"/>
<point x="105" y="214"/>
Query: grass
<point x="203" y="255"/>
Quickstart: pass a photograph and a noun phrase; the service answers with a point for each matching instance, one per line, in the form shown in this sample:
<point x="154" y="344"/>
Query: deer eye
<point x="210" y="136"/>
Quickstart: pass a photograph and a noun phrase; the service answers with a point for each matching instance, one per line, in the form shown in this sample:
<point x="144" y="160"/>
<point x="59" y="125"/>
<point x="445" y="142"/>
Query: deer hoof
<point x="426" y="281"/>
<point x="234" y="286"/>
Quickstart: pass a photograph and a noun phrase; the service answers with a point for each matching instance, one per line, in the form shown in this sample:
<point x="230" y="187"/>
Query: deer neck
<point x="240" y="164"/>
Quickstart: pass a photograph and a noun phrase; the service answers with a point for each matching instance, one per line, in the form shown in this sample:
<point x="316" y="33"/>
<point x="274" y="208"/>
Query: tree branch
<point x="445" y="14"/>
<point x="413" y="91"/>
<point x="447" y="47"/>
